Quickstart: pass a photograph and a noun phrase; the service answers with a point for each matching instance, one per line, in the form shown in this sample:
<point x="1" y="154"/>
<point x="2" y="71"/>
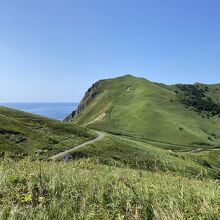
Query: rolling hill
<point x="25" y="134"/>
<point x="181" y="115"/>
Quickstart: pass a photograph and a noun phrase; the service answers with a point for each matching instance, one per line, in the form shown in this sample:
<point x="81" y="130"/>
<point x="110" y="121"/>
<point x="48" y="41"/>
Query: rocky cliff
<point x="87" y="99"/>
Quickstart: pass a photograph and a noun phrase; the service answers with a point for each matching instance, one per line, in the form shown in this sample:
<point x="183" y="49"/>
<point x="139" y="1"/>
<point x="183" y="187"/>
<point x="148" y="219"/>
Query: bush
<point x="192" y="96"/>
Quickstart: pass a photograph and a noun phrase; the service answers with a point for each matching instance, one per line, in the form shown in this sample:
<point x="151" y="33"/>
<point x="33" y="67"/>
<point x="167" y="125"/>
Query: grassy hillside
<point x="88" y="190"/>
<point x="139" y="108"/>
<point x="135" y="154"/>
<point x="24" y="133"/>
<point x="27" y="134"/>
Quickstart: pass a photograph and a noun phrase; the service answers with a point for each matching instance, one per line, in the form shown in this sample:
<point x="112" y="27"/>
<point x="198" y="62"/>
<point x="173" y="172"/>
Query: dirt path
<point x="100" y="136"/>
<point x="201" y="149"/>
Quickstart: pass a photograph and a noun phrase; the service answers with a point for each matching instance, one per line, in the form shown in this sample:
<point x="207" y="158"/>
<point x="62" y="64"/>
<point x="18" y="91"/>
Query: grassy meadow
<point x="86" y="189"/>
<point x="124" y="152"/>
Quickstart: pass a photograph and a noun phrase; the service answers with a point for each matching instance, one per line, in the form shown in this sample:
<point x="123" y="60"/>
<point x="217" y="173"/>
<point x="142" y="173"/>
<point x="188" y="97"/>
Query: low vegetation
<point x="27" y="134"/>
<point x="124" y="152"/>
<point x="86" y="189"/>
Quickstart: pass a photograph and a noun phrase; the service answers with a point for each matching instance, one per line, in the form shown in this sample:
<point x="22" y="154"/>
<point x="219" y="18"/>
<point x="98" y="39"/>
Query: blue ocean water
<point x="52" y="110"/>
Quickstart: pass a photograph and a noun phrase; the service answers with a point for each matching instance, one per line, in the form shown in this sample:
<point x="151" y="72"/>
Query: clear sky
<point x="52" y="51"/>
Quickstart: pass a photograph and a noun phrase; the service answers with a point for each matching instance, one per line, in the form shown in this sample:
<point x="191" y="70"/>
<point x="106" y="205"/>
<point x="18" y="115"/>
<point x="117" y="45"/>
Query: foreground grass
<point x="85" y="189"/>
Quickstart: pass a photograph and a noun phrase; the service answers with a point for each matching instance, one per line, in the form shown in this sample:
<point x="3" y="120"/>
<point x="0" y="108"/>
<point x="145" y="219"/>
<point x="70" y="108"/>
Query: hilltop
<point x="180" y="114"/>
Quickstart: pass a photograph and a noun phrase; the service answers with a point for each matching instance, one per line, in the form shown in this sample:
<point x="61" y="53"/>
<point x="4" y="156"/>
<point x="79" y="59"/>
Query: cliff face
<point x="87" y="99"/>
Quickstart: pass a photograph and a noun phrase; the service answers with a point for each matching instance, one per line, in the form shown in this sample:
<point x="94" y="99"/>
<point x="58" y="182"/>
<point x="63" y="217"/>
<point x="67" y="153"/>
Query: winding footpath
<point x="100" y="136"/>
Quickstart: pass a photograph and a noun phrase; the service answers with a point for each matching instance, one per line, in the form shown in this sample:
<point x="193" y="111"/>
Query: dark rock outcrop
<point x="87" y="99"/>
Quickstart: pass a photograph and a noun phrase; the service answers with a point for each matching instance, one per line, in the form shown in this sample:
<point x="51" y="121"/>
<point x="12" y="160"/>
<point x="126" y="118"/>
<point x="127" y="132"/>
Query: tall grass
<point x="85" y="189"/>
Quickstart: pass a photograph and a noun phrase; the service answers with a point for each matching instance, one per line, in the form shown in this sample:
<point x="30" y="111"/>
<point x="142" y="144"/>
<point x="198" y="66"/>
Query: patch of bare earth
<point x="98" y="118"/>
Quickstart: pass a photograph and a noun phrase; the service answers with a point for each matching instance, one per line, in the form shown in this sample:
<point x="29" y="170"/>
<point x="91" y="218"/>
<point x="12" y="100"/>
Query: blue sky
<point x="52" y="51"/>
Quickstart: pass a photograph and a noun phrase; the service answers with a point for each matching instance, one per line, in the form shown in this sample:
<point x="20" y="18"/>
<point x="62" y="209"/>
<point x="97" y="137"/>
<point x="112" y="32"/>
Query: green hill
<point x="186" y="115"/>
<point x="24" y="133"/>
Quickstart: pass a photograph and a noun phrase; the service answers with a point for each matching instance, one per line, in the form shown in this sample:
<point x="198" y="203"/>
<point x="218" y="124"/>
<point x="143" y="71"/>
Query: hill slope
<point x="25" y="133"/>
<point x="139" y="108"/>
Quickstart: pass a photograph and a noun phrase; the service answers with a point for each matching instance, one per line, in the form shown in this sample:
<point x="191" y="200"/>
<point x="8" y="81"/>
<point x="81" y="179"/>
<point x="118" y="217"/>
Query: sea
<point x="52" y="110"/>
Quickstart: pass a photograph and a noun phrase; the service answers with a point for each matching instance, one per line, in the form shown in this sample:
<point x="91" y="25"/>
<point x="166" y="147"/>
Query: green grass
<point x="24" y="133"/>
<point x="85" y="189"/>
<point x="139" y="108"/>
<point x="124" y="152"/>
<point x="132" y="175"/>
<point x="157" y="128"/>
